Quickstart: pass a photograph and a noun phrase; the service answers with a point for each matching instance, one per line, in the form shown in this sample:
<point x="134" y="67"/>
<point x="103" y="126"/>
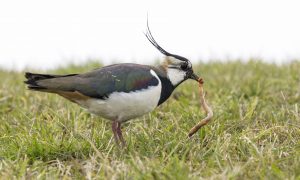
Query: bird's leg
<point x="119" y="132"/>
<point x="115" y="129"/>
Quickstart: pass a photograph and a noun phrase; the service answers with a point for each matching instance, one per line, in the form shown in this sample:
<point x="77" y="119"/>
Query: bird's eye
<point x="184" y="66"/>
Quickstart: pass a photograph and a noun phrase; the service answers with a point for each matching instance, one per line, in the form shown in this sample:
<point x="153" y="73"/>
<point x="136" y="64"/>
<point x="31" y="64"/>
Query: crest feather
<point x="155" y="44"/>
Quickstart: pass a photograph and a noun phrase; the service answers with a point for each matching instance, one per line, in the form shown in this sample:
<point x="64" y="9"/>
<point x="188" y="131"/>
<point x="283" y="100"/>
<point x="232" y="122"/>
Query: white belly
<point x="122" y="106"/>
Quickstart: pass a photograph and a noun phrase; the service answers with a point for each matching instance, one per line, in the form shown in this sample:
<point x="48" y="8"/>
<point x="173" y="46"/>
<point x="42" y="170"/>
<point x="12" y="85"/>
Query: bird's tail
<point x="34" y="79"/>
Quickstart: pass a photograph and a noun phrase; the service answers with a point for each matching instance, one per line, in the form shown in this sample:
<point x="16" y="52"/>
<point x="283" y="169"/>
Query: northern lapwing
<point x="119" y="92"/>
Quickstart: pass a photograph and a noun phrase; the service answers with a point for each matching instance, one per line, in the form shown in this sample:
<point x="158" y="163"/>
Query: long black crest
<point x="154" y="43"/>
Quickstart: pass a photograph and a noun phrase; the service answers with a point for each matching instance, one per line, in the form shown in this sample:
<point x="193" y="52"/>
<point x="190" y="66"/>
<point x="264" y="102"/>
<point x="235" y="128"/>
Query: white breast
<point x="123" y="106"/>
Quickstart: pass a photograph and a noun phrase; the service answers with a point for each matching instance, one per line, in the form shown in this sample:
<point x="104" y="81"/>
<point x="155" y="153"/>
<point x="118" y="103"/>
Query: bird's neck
<point x="167" y="86"/>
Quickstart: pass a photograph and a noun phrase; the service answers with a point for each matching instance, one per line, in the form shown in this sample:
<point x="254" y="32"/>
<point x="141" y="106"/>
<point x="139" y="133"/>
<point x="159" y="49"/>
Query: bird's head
<point x="178" y="68"/>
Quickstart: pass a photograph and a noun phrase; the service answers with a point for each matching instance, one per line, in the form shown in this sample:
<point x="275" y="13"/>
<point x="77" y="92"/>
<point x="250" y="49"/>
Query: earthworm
<point x="207" y="109"/>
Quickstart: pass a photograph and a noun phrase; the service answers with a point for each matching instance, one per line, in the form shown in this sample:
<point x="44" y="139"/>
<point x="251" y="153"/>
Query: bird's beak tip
<point x="194" y="77"/>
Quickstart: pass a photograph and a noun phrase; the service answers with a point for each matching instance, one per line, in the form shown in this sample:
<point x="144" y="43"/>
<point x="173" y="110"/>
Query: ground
<point x="255" y="132"/>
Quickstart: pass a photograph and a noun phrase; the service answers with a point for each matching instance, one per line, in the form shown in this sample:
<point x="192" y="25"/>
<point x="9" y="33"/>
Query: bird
<point x="119" y="92"/>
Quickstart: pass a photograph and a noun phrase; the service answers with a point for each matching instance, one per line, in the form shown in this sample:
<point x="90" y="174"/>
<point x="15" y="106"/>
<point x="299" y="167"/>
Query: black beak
<point x="194" y="76"/>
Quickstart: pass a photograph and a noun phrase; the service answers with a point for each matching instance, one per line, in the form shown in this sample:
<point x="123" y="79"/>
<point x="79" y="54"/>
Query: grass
<point x="255" y="132"/>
